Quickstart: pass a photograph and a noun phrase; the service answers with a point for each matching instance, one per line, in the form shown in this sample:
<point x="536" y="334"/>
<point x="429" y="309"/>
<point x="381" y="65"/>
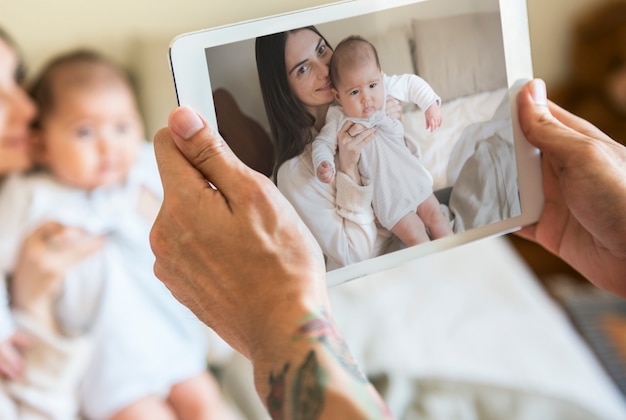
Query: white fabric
<point x="54" y="366"/>
<point x="145" y="339"/>
<point x="436" y="147"/>
<point x="404" y="87"/>
<point x="486" y="190"/>
<point x="500" y="125"/>
<point x="474" y="313"/>
<point x="339" y="214"/>
<point x="399" y="181"/>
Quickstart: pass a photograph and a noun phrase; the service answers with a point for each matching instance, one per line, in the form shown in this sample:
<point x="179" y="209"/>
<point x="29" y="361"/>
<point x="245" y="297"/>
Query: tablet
<point x="474" y="54"/>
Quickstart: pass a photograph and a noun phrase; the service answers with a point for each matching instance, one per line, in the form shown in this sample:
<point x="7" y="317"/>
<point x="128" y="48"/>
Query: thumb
<point x="204" y="147"/>
<point x="536" y="120"/>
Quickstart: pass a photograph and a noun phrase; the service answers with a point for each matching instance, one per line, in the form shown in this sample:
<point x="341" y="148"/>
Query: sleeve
<point x="411" y="88"/>
<point x="339" y="215"/>
<point x="14" y="194"/>
<point x="324" y="146"/>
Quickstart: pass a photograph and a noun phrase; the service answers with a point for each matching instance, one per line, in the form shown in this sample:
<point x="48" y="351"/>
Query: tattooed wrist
<point x="307" y="391"/>
<point x="322" y="329"/>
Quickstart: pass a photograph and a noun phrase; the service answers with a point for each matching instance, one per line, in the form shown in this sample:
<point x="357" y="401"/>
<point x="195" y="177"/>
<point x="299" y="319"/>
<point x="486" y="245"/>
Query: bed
<point x="468" y="333"/>
<point x="482" y="326"/>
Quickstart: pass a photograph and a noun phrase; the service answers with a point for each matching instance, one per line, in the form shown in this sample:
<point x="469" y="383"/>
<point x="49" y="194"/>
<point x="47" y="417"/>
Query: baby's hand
<point x="433" y="117"/>
<point x="326" y="172"/>
<point x="11" y="362"/>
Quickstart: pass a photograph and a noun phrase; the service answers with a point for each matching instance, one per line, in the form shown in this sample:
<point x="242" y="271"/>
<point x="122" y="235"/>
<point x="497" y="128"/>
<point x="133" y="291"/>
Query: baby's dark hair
<point x="353" y="51"/>
<point x="80" y="68"/>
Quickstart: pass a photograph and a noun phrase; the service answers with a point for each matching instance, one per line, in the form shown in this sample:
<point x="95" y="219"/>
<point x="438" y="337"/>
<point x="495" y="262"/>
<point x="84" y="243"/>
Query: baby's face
<point x="92" y="137"/>
<point x="360" y="92"/>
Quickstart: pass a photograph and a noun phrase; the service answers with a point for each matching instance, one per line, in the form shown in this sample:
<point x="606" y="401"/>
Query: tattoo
<point x="308" y="395"/>
<point x="324" y="331"/>
<point x="307" y="391"/>
<point x="276" y="398"/>
<point x="309" y="381"/>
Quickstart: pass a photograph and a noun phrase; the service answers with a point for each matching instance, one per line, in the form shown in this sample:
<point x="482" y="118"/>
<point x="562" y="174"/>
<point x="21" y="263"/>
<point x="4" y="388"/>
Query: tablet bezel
<point x="193" y="88"/>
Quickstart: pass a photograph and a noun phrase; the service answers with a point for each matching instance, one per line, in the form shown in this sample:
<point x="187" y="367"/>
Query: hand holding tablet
<point x="484" y="173"/>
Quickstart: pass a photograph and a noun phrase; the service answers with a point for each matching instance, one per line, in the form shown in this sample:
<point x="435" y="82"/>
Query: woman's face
<point x="306" y="60"/>
<point x="16" y="112"/>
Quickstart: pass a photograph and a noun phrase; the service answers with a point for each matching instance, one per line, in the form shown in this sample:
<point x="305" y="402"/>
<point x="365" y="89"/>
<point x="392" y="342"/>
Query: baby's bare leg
<point x="411" y="230"/>
<point x="150" y="407"/>
<point x="200" y="398"/>
<point x="434" y="219"/>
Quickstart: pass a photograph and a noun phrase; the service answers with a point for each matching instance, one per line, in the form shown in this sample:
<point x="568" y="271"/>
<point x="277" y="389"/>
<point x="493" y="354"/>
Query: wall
<point x="119" y="27"/>
<point x="233" y="66"/>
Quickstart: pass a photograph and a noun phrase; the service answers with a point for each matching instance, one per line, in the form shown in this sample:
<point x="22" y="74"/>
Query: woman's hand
<point x="11" y="362"/>
<point x="238" y="256"/>
<point x="584" y="184"/>
<point x="393" y="107"/>
<point x="351" y="140"/>
<point x="46" y="255"/>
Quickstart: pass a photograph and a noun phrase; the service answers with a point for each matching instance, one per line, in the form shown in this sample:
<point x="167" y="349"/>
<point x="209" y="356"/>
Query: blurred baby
<point x="98" y="173"/>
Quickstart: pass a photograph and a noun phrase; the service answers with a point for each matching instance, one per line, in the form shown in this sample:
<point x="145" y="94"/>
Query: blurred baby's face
<point x="92" y="137"/>
<point x="360" y="91"/>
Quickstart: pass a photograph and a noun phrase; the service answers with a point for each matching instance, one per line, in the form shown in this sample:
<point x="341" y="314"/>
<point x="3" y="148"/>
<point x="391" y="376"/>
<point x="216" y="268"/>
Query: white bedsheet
<point x="436" y="148"/>
<point x="474" y="313"/>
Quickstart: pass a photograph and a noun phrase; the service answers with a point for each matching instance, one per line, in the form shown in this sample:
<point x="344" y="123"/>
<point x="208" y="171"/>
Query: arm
<point x="341" y="217"/>
<point x="45" y="255"/>
<point x="584" y="184"/>
<point x="36" y="262"/>
<point x="324" y="145"/>
<point x="274" y="309"/>
<point x="411" y="88"/>
<point x="11" y="342"/>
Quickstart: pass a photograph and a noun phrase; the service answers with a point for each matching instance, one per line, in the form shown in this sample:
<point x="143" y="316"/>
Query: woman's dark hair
<point x="289" y="120"/>
<point x="20" y="71"/>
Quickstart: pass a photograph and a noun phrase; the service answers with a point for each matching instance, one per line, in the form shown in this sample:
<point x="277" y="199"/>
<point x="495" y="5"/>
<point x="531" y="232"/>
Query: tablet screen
<point x="421" y="186"/>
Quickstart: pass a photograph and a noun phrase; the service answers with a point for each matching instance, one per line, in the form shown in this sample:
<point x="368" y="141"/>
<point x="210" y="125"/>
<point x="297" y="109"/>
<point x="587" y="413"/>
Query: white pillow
<point x="460" y="55"/>
<point x="394" y="51"/>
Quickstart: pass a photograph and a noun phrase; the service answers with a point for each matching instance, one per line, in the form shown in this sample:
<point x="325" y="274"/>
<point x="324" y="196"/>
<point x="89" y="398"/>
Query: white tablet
<point x="474" y="54"/>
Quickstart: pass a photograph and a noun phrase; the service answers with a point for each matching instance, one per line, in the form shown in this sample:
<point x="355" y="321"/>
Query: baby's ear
<point x="335" y="93"/>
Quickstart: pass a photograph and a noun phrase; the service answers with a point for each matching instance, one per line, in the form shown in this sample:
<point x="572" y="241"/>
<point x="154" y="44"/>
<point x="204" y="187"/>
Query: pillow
<point x="460" y="55"/>
<point x="394" y="51"/>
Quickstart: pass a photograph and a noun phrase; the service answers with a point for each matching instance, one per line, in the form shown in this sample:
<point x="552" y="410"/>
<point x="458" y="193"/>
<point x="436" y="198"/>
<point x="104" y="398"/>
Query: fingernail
<point x="185" y="122"/>
<point x="538" y="91"/>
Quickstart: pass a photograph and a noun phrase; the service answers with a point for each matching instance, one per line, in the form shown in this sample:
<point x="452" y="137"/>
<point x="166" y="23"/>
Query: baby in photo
<point x="403" y="199"/>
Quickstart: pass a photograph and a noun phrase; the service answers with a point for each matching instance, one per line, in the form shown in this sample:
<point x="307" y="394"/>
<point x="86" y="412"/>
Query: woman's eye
<point x="322" y="49"/>
<point x="303" y="69"/>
